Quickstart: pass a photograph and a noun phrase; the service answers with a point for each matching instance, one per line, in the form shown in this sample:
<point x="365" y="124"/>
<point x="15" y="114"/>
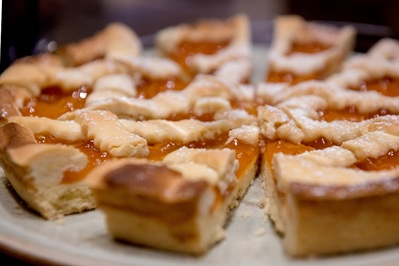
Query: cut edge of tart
<point x="179" y="204"/>
<point x="323" y="203"/>
<point x="35" y="171"/>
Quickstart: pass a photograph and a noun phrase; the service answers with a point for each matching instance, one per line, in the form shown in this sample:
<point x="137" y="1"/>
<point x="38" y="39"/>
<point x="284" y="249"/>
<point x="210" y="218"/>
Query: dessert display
<point x="166" y="144"/>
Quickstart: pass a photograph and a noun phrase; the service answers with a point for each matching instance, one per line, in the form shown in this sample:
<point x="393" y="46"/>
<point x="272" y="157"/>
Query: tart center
<point x="385" y="162"/>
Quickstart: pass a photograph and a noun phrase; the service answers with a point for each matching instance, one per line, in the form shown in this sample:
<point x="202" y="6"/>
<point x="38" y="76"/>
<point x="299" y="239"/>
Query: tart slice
<point x="375" y="71"/>
<point x="316" y="124"/>
<point x="178" y="204"/>
<point x="303" y="50"/>
<point x="45" y="160"/>
<point x="340" y="199"/>
<point x="222" y="47"/>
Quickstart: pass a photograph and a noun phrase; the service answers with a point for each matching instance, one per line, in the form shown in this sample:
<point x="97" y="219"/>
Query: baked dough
<point x="291" y="30"/>
<point x="166" y="149"/>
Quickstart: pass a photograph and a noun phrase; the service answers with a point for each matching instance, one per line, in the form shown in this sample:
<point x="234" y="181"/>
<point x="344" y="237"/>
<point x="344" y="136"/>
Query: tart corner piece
<point x="36" y="170"/>
<point x="180" y="204"/>
<point x="303" y="50"/>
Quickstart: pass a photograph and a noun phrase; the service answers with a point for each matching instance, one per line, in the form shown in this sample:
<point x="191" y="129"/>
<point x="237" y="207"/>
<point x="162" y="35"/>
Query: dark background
<point x="29" y="26"/>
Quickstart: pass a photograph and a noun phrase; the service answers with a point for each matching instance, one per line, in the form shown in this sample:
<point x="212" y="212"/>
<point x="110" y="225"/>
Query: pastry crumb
<point x="263" y="202"/>
<point x="60" y="221"/>
<point x="246" y="215"/>
<point x="260" y="232"/>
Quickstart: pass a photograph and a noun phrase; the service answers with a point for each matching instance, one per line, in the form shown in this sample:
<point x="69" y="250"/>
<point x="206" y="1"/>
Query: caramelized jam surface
<point x="385" y="162"/>
<point x="148" y="88"/>
<point x="54" y="102"/>
<point x="349" y="113"/>
<point x="185" y="49"/>
<point x="245" y="153"/>
<point x="94" y="156"/>
<point x="386" y="86"/>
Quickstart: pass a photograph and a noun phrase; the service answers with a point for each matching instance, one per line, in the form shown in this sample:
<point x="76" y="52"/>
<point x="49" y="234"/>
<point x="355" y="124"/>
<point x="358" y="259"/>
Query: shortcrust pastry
<point x="303" y="50"/>
<point x="170" y="142"/>
<point x="220" y="47"/>
<point x="330" y="160"/>
<point x="99" y="106"/>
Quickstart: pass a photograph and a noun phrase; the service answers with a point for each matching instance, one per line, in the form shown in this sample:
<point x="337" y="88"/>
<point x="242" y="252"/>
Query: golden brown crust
<point x="163" y="195"/>
<point x="349" y="225"/>
<point x="116" y="39"/>
<point x="13" y="135"/>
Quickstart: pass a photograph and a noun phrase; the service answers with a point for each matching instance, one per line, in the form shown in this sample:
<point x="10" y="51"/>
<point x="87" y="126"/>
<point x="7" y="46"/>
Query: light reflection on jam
<point x="385" y="162"/>
<point x="148" y="88"/>
<point x="54" y="102"/>
<point x="386" y="86"/>
<point x="350" y="113"/>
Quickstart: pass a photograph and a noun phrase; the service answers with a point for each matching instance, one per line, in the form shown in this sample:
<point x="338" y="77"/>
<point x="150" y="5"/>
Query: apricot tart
<point x="303" y="50"/>
<point x="329" y="165"/>
<point x="167" y="143"/>
<point x="99" y="116"/>
<point x="210" y="46"/>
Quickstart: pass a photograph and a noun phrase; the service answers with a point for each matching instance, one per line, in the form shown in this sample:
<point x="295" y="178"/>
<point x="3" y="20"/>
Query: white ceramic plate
<point x="82" y="239"/>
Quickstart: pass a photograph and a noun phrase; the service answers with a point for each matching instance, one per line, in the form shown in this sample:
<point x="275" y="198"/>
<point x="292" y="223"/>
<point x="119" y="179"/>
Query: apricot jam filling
<point x="386" y="86"/>
<point x="289" y="148"/>
<point x="349" y="113"/>
<point x="276" y="77"/>
<point x="308" y="47"/>
<point x="94" y="156"/>
<point x="54" y="102"/>
<point x="148" y="88"/>
<point x="245" y="153"/>
<point x="299" y="47"/>
<point x="385" y="162"/>
<point x="185" y="49"/>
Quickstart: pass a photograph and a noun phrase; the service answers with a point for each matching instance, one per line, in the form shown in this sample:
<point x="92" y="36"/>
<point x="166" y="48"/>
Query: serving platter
<point x="82" y="239"/>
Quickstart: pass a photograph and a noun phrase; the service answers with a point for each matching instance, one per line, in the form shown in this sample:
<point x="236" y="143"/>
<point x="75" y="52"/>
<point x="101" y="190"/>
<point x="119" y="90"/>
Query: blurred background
<point x="31" y="26"/>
